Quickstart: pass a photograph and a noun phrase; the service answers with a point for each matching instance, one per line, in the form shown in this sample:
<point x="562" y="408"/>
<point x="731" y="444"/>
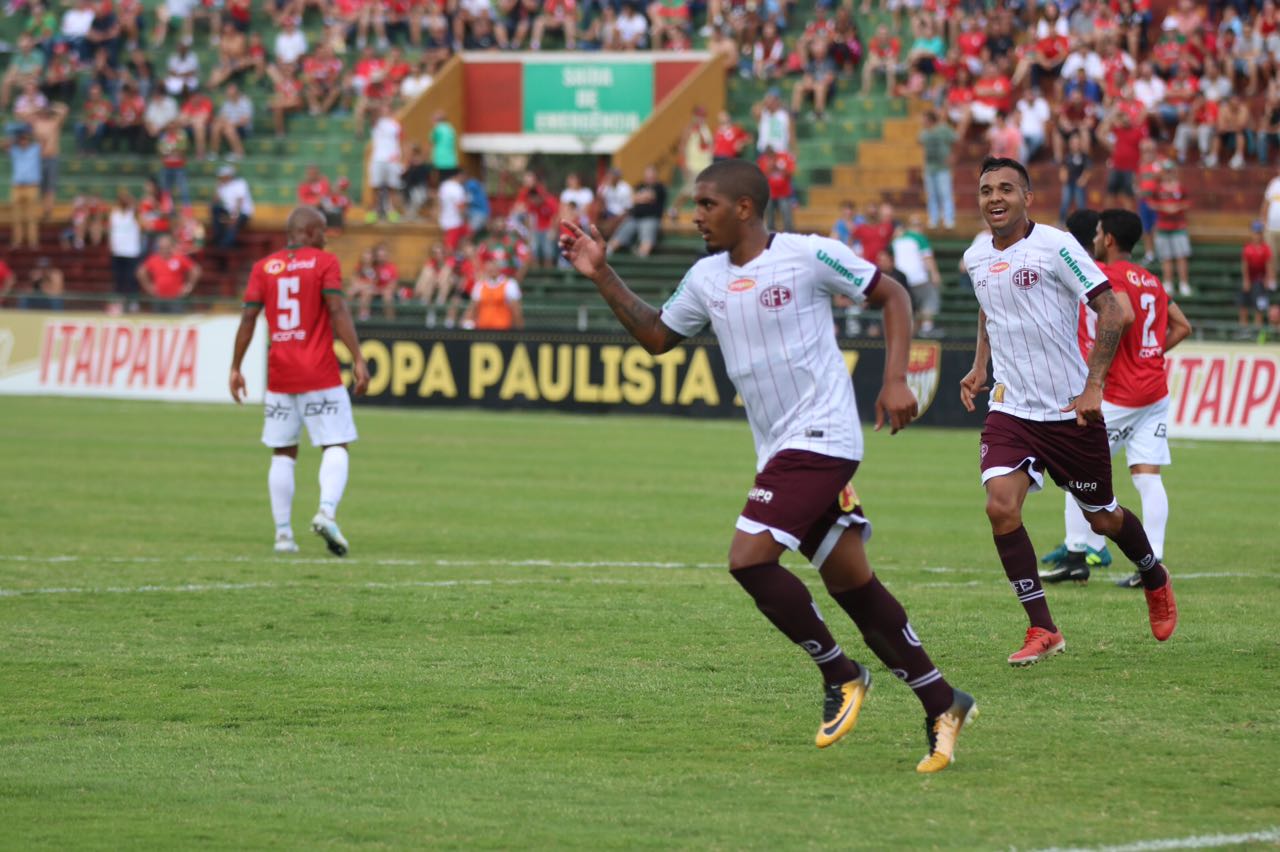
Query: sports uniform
<point x="303" y="381"/>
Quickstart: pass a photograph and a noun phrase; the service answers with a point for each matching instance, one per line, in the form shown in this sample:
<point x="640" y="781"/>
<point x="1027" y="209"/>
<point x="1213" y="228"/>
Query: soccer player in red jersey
<point x="1135" y="400"/>
<point x="1046" y="402"/>
<point x="300" y="288"/>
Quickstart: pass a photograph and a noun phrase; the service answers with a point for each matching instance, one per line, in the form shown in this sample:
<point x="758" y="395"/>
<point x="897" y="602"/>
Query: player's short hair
<point x="991" y="164"/>
<point x="301" y="217"/>
<point x="1124" y="226"/>
<point x="1083" y="225"/>
<point x="738" y="179"/>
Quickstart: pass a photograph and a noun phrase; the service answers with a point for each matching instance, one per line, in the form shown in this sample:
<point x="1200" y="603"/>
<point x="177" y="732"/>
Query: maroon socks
<point x="1019" y="559"/>
<point x="1132" y="540"/>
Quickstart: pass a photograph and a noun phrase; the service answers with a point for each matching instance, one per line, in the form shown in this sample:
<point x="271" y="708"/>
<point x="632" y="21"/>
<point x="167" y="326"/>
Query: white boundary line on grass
<point x="235" y="587"/>
<point x="1203" y="841"/>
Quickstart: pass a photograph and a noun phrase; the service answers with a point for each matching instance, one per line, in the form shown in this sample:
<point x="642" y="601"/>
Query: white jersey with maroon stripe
<point x="774" y="323"/>
<point x="1031" y="294"/>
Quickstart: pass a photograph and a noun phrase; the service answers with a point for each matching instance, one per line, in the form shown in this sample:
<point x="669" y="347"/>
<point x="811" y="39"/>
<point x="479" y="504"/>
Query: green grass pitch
<point x="534" y="645"/>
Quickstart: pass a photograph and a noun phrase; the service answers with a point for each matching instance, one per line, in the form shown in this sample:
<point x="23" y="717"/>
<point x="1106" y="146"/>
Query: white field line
<point x="411" y="563"/>
<point x="1202" y="841"/>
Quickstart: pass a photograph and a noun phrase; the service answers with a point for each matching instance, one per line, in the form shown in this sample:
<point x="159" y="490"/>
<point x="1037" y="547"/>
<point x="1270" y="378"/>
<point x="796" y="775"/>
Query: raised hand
<point x="582" y="249"/>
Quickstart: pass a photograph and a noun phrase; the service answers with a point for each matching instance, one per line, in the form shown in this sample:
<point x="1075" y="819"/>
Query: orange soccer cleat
<point x="1040" y="644"/>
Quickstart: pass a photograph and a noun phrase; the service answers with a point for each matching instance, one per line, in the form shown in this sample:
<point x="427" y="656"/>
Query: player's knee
<point x="1105" y="523"/>
<point x="1003" y="512"/>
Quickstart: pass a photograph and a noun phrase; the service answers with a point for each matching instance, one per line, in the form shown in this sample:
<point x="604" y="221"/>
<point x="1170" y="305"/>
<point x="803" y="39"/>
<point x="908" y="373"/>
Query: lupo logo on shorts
<point x="1025" y="278"/>
<point x="775" y="297"/>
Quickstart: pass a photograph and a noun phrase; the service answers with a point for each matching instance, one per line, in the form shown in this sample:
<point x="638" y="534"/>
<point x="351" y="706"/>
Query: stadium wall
<point x="1220" y="392"/>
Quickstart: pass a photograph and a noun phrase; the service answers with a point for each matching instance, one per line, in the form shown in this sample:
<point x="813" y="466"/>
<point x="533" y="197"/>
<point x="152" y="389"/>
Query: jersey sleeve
<point x="253" y="296"/>
<point x="513" y="293"/>
<point x="686" y="311"/>
<point x="839" y="270"/>
<point x="1077" y="271"/>
<point x="331" y="277"/>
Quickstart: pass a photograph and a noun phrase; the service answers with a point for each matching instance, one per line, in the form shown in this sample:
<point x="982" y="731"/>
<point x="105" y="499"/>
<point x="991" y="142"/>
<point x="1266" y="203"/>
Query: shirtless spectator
<point x="475" y="24"/>
<point x="233" y="124"/>
<point x="435" y="281"/>
<point x="46" y="127"/>
<point x="234" y="58"/>
<point x="1234" y="135"/>
<point x="287" y="98"/>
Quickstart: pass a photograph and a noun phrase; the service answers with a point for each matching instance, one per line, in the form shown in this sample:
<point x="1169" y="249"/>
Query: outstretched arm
<point x="1179" y="327"/>
<point x="896" y="403"/>
<point x="641" y="320"/>
<point x="1110" y="326"/>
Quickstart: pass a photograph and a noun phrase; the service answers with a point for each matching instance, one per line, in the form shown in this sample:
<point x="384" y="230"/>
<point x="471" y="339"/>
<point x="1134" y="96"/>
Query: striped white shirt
<point x="774" y="323"/>
<point x="1031" y="294"/>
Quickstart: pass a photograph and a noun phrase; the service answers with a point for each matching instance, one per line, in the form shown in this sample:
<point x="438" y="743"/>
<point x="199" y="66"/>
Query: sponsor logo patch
<point x="775" y="297"/>
<point x="760" y="495"/>
<point x="1025" y="278"/>
<point x="999" y="267"/>
<point x="741" y="285"/>
<point x="841" y="270"/>
<point x="849" y="498"/>
<point x="1074" y="267"/>
<point x="274" y="267"/>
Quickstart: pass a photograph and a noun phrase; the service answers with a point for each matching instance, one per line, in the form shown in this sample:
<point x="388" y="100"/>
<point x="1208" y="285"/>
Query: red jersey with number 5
<point x="290" y="286"/>
<point x="1138" y="375"/>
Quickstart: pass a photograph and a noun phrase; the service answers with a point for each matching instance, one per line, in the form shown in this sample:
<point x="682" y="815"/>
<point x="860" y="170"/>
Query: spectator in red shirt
<point x="335" y="204"/>
<point x="314" y="188"/>
<point x="876" y="236"/>
<point x="95" y="121"/>
<point x="1124" y="138"/>
<point x="539" y="206"/>
<point x="195" y="116"/>
<point x="168" y="277"/>
<point x="779" y="168"/>
<point x="1173" y="245"/>
<point x="386" y="277"/>
<point x="126" y="127"/>
<point x="172" y="148"/>
<point x="322" y="75"/>
<point x="729" y="139"/>
<point x="1257" y="280"/>
<point x="884" y="56"/>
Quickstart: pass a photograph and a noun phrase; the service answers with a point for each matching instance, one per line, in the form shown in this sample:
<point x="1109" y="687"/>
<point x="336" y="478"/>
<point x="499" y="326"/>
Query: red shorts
<point x="453" y="236"/>
<point x="1077" y="457"/>
<point x="805" y="501"/>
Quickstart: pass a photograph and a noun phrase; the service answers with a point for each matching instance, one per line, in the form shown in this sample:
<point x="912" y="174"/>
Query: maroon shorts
<point x="805" y="501"/>
<point x="1077" y="457"/>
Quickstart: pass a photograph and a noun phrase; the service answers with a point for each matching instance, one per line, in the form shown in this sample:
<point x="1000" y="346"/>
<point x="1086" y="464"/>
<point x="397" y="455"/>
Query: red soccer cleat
<point x="1162" y="610"/>
<point x="1040" y="644"/>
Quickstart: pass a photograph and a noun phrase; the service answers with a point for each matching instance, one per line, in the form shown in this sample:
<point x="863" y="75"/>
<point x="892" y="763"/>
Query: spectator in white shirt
<point x="1148" y="88"/>
<point x="161" y="111"/>
<point x="232" y="124"/>
<point x="182" y="70"/>
<point x="632" y="28"/>
<point x="775" y="124"/>
<point x="232" y="207"/>
<point x="75" y="26"/>
<point x="418" y="81"/>
<point x="385" y="163"/>
<point x="291" y="43"/>
<point x="1086" y="58"/>
<point x="578" y="195"/>
<point x="615" y="202"/>
<point x="1214" y="85"/>
<point x="1033" y="117"/>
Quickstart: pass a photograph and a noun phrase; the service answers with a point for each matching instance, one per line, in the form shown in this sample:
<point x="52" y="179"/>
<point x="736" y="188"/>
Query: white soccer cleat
<point x="286" y="544"/>
<point x="327" y="528"/>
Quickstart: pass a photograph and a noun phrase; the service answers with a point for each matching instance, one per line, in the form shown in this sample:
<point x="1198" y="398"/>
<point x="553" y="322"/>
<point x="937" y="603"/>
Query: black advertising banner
<point x="598" y="373"/>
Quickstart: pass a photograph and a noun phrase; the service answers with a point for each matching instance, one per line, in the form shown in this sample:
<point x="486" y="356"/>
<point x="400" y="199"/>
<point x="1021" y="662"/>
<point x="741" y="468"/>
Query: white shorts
<point x="327" y="414"/>
<point x="383" y="173"/>
<point x="982" y="113"/>
<point x="1142" y="432"/>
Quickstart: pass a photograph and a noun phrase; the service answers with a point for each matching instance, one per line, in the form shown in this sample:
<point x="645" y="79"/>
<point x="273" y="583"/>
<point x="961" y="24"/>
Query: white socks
<point x="1079" y="534"/>
<point x="333" y="479"/>
<point x="280" y="484"/>
<point x="1155" y="509"/>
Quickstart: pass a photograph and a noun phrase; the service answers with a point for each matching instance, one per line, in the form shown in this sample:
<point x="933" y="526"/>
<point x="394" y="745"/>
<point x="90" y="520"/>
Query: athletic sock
<point x="1019" y="559"/>
<point x="1076" y="525"/>
<point x="1155" y="509"/>
<point x="280" y="486"/>
<point x="1133" y="541"/>
<point x="786" y="602"/>
<point x="888" y="634"/>
<point x="333" y="479"/>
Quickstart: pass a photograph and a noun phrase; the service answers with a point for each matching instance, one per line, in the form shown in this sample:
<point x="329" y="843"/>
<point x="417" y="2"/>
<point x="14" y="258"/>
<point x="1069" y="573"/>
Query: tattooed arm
<point x="585" y="250"/>
<point x="976" y="381"/>
<point x="1110" y="326"/>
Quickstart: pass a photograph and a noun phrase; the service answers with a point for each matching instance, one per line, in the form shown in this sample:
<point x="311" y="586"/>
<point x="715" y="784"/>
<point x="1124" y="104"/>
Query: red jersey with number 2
<point x="290" y="286"/>
<point x="1138" y="374"/>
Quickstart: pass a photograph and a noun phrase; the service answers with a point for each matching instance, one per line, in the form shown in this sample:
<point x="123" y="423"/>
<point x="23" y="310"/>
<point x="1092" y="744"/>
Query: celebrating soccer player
<point x="1135" y="399"/>
<point x="1046" y="403"/>
<point x="301" y="289"/>
<point x="768" y="299"/>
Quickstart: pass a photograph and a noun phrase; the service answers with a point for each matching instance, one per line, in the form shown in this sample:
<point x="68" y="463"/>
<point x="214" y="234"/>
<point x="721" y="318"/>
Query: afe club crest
<point x="924" y="367"/>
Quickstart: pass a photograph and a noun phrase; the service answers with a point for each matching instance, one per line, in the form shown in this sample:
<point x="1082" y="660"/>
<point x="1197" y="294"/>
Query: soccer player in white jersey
<point x="1045" y="409"/>
<point x="767" y="298"/>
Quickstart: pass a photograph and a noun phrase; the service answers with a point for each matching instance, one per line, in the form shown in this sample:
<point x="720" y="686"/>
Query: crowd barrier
<point x="1220" y="391"/>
